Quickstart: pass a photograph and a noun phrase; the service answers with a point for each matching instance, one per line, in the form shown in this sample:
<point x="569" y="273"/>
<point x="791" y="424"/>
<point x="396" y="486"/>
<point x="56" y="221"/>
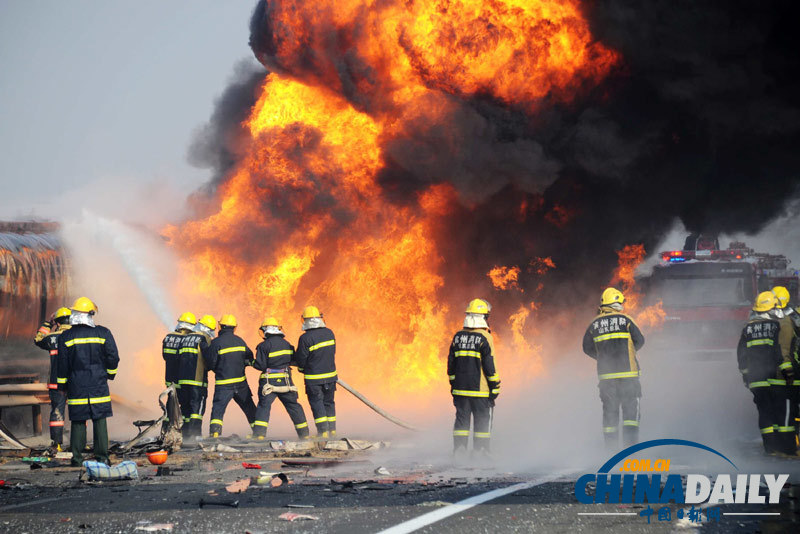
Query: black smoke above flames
<point x="699" y="122"/>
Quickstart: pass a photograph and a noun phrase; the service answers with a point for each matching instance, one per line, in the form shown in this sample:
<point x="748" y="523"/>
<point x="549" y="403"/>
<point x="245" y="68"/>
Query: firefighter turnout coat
<point x="170" y="349"/>
<point x="274" y="355"/>
<point x="191" y="365"/>
<point x="227" y="356"/>
<point x="49" y="342"/>
<point x="316" y="356"/>
<point x="470" y="364"/>
<point x="613" y="339"/>
<point x="759" y="353"/>
<point x="87" y="360"/>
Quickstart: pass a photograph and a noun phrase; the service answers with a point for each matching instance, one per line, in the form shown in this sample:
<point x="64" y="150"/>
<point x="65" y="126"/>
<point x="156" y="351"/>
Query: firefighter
<point x="169" y="350"/>
<point x="47" y="339"/>
<point x="274" y="355"/>
<point x="613" y="340"/>
<point x="87" y="360"/>
<point x="227" y="356"/>
<point x="316" y="359"/>
<point x="193" y="375"/>
<point x="788" y="339"/>
<point x="759" y="357"/>
<point x="474" y="382"/>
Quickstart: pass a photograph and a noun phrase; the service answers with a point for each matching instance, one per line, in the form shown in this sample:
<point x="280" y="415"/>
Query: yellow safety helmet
<point x="782" y="294"/>
<point x="84" y="305"/>
<point x="209" y="322"/>
<point x="765" y="301"/>
<point x="611" y="295"/>
<point x="187" y="317"/>
<point x="270" y="321"/>
<point x="479" y="306"/>
<point x="311" y="311"/>
<point x="62" y="312"/>
<point x="227" y="320"/>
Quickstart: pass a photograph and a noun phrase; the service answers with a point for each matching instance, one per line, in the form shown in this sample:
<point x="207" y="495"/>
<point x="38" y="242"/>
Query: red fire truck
<point x="707" y="294"/>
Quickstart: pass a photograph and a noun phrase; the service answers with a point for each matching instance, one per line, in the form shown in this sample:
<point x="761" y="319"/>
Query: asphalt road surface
<point x="346" y="497"/>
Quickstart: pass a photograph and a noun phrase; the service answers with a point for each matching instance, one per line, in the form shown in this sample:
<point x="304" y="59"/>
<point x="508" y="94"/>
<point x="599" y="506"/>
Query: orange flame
<point x="630" y="257"/>
<point x="504" y="277"/>
<point x="302" y="218"/>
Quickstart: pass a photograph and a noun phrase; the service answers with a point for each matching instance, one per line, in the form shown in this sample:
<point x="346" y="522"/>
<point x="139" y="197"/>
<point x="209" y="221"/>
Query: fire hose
<point x="375" y="407"/>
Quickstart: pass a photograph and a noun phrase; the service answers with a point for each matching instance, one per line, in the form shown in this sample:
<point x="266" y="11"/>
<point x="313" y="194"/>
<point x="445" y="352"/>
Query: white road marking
<point x="432" y="517"/>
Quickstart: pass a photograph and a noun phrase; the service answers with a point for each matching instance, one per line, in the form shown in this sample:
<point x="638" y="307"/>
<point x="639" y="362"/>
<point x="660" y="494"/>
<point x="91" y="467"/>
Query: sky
<point x="99" y="100"/>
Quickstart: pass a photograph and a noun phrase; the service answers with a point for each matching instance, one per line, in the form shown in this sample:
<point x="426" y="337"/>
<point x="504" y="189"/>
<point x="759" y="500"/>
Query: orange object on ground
<point x="157" y="457"/>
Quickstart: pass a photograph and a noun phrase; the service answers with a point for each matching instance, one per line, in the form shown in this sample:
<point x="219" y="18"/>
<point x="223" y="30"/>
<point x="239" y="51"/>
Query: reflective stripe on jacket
<point x="272" y="356"/>
<point x="759" y="352"/>
<point x="227" y="356"/>
<point x="316" y="355"/>
<point x="470" y="364"/>
<point x="613" y="339"/>
<point x="87" y="360"/>
<point x="191" y="366"/>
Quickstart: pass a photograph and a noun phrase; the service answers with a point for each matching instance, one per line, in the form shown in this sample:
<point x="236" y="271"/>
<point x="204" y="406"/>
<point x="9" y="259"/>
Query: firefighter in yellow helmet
<point x="193" y="375"/>
<point x="47" y="339"/>
<point x="87" y="360"/>
<point x="274" y="355"/>
<point x="227" y="356"/>
<point x="474" y="382"/>
<point x="170" y="346"/>
<point x="786" y="384"/>
<point x="316" y="359"/>
<point x="612" y="339"/>
<point x="759" y="357"/>
<point x="793" y="342"/>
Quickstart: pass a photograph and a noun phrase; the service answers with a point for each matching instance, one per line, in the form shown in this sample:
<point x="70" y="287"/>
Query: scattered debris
<point x="218" y="447"/>
<point x="291" y="516"/>
<point x="122" y="471"/>
<point x="435" y="503"/>
<point x="64" y="455"/>
<point x="148" y="526"/>
<point x="219" y="502"/>
<point x="382" y="471"/>
<point x="250" y="466"/>
<point x="272" y="479"/>
<point x="36" y="459"/>
<point x="339" y="445"/>
<point x="238" y="486"/>
<point x="164" y="470"/>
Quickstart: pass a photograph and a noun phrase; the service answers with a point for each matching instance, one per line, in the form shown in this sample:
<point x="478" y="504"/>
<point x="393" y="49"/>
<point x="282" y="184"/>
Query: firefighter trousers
<point x="293" y="408"/>
<point x="241" y="394"/>
<point x="323" y="407"/>
<point x="58" y="402"/>
<point x="192" y="400"/>
<point x="616" y="394"/>
<point x="783" y="422"/>
<point x="77" y="440"/>
<point x="764" y="399"/>
<point x="475" y="410"/>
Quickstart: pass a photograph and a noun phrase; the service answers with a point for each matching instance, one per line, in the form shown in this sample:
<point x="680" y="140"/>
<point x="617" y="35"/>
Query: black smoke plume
<point x="699" y="122"/>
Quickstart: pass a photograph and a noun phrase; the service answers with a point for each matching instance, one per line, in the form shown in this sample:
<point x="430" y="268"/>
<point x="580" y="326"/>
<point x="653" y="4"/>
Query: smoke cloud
<point x="696" y="122"/>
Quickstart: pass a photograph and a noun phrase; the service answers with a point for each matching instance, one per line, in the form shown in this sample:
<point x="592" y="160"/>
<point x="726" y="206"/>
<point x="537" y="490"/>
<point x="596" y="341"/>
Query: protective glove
<point x="788" y="375"/>
<point x="744" y="379"/>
